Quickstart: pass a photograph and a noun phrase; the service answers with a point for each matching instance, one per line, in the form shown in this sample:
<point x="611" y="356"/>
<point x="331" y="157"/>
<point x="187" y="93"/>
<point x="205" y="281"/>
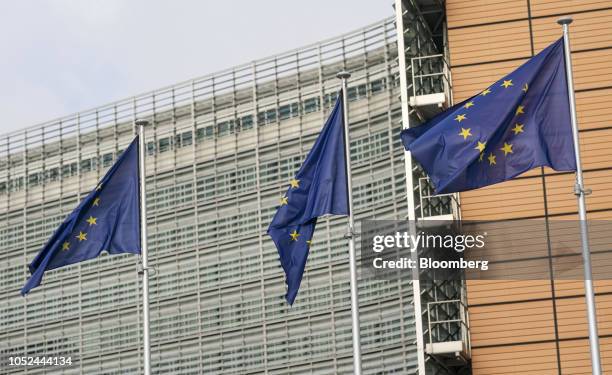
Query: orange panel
<point x="559" y="189"/>
<point x="501" y="291"/>
<point x="594" y="109"/>
<point x="552" y="7"/>
<point x="591" y="70"/>
<point x="472" y="12"/>
<point x="571" y="317"/>
<point x="595" y="149"/>
<point x="467" y="47"/>
<point x="565" y="288"/>
<point x="531" y="359"/>
<point x="498" y="324"/>
<point x="588" y="31"/>
<point x="511" y="199"/>
<point x="470" y="80"/>
<point x="575" y="357"/>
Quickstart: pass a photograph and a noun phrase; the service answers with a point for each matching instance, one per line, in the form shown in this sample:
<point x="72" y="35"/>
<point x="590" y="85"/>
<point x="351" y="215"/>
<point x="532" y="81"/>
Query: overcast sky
<point x="58" y="57"/>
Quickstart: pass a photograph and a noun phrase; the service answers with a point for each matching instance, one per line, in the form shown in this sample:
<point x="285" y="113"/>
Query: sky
<point x="58" y="57"/>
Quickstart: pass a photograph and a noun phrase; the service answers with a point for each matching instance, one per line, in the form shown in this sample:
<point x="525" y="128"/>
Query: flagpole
<point x="580" y="193"/>
<point x="143" y="244"/>
<point x="344" y="75"/>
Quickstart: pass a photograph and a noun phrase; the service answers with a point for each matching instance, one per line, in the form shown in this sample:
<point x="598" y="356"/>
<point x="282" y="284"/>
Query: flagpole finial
<point x="343" y="74"/>
<point x="565" y="20"/>
<point x="141" y="122"/>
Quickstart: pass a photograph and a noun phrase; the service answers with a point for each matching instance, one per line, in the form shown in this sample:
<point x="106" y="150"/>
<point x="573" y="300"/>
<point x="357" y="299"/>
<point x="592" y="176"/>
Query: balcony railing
<point x="442" y="206"/>
<point x="430" y="75"/>
<point x="449" y="331"/>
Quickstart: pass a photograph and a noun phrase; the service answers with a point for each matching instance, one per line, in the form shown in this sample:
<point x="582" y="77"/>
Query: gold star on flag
<point x="525" y="88"/>
<point x="520" y="109"/>
<point x="507" y="83"/>
<point x="518" y="128"/>
<point x="92" y="220"/>
<point x="480" y="146"/>
<point x="468" y="105"/>
<point x="294" y="235"/>
<point x="465" y="133"/>
<point x="284" y="201"/>
<point x="507" y="149"/>
<point x="460" y="118"/>
<point x="492" y="159"/>
<point x="82" y="236"/>
<point x="485" y="92"/>
<point x="96" y="201"/>
<point x="294" y="183"/>
<point x="66" y="246"/>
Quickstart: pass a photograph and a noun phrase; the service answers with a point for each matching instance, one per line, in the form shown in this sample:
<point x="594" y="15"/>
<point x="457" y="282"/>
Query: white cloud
<point x="62" y="56"/>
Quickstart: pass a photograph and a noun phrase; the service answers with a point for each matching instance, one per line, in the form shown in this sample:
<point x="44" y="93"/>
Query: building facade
<point x="538" y="327"/>
<point x="220" y="152"/>
<point x="518" y="326"/>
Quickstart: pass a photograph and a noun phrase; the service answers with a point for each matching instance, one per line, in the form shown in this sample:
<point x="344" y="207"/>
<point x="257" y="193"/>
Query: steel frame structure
<point x="422" y="38"/>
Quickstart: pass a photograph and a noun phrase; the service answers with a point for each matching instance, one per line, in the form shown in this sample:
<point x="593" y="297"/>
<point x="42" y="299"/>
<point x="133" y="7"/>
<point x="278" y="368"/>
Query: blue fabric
<point x="318" y="188"/>
<point x="108" y="219"/>
<point x="522" y="121"/>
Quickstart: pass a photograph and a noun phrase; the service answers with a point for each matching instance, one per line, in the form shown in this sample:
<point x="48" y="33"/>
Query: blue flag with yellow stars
<point x="108" y="219"/>
<point x="520" y="122"/>
<point x="318" y="188"/>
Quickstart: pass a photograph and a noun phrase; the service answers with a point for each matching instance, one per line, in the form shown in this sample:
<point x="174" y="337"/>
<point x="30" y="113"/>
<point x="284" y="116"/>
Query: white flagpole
<point x="351" y="231"/>
<point x="580" y="194"/>
<point x="143" y="251"/>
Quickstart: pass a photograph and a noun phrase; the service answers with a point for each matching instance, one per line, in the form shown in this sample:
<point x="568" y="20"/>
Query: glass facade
<point x="220" y="152"/>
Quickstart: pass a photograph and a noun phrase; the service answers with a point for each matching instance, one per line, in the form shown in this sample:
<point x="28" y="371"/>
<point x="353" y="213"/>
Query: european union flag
<point x="318" y="188"/>
<point x="108" y="219"/>
<point x="520" y="122"/>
